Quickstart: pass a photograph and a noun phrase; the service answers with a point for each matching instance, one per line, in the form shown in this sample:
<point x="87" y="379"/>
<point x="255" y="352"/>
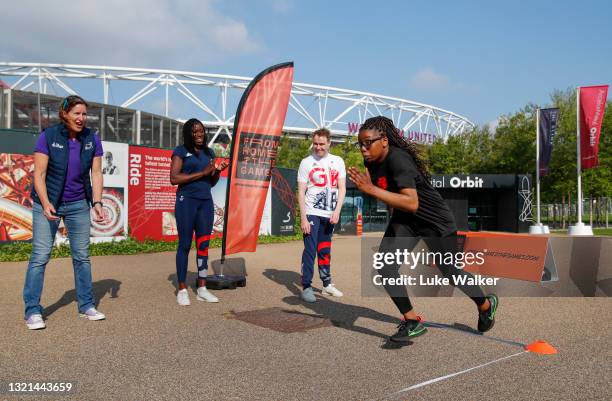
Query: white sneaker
<point x="308" y="295"/>
<point x="93" y="314"/>
<point x="35" y="322"/>
<point x="205" y="295"/>
<point x="182" y="297"/>
<point x="332" y="290"/>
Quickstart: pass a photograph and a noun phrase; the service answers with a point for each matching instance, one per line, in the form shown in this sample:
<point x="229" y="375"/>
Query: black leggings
<point x="435" y="243"/>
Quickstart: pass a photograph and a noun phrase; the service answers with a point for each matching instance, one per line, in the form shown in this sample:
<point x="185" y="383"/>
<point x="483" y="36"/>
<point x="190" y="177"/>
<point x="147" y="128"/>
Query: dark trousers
<point x="402" y="235"/>
<point x="193" y="214"/>
<point x="317" y="243"/>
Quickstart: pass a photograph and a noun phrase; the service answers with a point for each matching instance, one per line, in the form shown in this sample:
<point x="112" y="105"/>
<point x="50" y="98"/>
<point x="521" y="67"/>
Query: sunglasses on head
<point x="69" y="99"/>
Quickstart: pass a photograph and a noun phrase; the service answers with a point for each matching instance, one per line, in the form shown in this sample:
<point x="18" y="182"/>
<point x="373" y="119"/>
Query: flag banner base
<point x="539" y="229"/>
<point x="228" y="275"/>
<point x="580" y="229"/>
<point x="230" y="267"/>
<point x="549" y="273"/>
<point x="222" y="282"/>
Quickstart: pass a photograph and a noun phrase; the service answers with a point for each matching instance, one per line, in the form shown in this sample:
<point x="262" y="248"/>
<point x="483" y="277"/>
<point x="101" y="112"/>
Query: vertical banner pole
<point x="538" y="162"/>
<point x="578" y="167"/>
<point x="579" y="228"/>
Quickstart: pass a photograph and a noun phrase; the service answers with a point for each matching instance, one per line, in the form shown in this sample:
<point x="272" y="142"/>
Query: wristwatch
<point x="97" y="202"/>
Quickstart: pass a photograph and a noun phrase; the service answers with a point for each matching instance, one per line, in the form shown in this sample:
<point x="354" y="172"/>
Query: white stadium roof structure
<point x="216" y="96"/>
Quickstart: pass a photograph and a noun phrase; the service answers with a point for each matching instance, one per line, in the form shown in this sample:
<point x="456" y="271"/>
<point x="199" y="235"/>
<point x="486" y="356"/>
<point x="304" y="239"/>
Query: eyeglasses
<point x="367" y="143"/>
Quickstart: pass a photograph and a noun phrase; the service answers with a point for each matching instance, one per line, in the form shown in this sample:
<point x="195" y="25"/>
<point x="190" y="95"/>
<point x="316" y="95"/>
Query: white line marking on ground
<point x="427" y="382"/>
<point x="471" y="333"/>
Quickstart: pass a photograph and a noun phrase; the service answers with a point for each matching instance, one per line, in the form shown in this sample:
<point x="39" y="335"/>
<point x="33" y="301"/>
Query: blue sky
<point x="476" y="58"/>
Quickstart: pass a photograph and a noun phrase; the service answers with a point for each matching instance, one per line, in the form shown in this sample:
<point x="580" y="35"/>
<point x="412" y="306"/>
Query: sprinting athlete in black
<point x="397" y="176"/>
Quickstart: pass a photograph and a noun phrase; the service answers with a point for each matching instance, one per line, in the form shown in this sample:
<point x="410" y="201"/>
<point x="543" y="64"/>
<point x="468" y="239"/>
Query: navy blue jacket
<point x="57" y="142"/>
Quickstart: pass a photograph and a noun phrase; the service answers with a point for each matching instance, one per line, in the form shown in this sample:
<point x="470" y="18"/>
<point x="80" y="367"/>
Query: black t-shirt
<point x="397" y="171"/>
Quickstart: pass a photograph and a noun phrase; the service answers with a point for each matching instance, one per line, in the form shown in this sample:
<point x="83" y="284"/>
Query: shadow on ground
<point x="460" y="327"/>
<point x="190" y="280"/>
<point x="340" y="314"/>
<point x="99" y="288"/>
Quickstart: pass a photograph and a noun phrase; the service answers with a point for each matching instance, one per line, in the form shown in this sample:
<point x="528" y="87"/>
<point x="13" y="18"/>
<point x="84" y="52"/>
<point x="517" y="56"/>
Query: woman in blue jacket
<point x="194" y="170"/>
<point x="64" y="157"/>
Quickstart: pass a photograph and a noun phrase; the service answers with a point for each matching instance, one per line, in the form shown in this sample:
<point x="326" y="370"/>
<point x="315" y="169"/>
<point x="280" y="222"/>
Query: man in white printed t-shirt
<point x="321" y="191"/>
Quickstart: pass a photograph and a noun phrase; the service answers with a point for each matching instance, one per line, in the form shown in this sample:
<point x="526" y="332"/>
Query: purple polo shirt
<point x="74" y="189"/>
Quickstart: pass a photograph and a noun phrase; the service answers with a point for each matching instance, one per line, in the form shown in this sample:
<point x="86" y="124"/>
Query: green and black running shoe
<point x="408" y="329"/>
<point x="486" y="319"/>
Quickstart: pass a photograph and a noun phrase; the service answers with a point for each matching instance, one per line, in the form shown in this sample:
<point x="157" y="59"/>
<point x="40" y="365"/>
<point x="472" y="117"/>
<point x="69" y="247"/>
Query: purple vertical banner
<point x="548" y="129"/>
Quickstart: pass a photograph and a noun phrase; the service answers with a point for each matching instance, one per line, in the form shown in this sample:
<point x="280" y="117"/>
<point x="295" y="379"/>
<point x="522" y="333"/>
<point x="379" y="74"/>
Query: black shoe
<point x="408" y="329"/>
<point x="486" y="319"/>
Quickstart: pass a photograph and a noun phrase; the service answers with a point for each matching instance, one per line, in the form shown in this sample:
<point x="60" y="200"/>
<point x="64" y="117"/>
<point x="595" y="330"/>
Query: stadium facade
<point x="30" y="94"/>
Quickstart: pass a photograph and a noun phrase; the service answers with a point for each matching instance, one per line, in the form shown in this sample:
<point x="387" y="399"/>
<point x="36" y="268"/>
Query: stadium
<point x="122" y="99"/>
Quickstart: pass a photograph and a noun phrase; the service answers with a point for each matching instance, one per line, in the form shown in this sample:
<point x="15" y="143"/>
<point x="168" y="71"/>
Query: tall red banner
<point x="257" y="131"/>
<point x="592" y="109"/>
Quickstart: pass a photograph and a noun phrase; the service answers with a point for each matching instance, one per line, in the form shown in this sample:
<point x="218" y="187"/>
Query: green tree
<point x="292" y="151"/>
<point x="348" y="152"/>
<point x="562" y="178"/>
<point x="469" y="152"/>
<point x="447" y="157"/>
<point x="514" y="143"/>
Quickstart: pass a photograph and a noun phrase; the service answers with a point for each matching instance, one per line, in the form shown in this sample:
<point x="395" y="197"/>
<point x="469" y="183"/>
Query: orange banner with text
<point x="515" y="256"/>
<point x="257" y="131"/>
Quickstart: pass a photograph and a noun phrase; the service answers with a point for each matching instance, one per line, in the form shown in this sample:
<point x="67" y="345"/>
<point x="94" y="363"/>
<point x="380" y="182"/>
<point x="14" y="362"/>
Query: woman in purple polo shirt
<point x="64" y="157"/>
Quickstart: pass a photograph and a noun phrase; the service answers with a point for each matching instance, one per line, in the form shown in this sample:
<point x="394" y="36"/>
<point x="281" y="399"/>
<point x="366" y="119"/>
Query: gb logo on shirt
<point x="88" y="145"/>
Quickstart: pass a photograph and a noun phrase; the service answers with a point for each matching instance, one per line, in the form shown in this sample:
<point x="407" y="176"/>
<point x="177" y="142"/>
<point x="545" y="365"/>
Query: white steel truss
<point x="215" y="95"/>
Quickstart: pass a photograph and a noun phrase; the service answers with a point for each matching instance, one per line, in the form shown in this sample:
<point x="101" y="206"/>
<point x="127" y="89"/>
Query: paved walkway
<point x="150" y="348"/>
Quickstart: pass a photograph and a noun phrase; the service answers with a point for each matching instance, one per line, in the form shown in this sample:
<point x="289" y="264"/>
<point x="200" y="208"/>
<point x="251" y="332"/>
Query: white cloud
<point x="281" y="6"/>
<point x="233" y="37"/>
<point x="137" y="33"/>
<point x="427" y="79"/>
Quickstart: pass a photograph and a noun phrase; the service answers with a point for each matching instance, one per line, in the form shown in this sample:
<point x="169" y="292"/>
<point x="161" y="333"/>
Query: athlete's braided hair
<point x="386" y="127"/>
